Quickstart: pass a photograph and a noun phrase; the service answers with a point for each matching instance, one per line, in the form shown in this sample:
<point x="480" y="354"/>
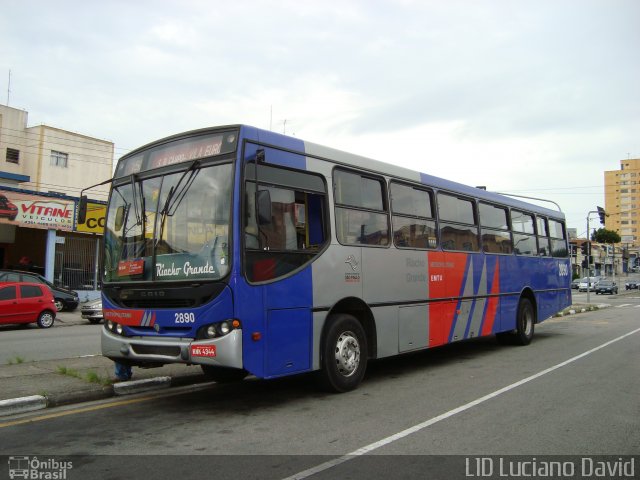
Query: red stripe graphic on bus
<point x="492" y="306"/>
<point x="131" y="318"/>
<point x="452" y="276"/>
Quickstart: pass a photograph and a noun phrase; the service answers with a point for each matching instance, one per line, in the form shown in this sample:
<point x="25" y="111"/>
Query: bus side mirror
<point x="119" y="220"/>
<point x="82" y="210"/>
<point x="263" y="207"/>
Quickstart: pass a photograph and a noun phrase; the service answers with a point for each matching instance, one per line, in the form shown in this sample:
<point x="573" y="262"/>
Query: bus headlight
<point x="224" y="328"/>
<point x="217" y="330"/>
<point x="119" y="329"/>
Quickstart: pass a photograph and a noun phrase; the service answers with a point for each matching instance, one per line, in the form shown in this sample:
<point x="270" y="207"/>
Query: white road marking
<point x="421" y="426"/>
<point x="624" y="305"/>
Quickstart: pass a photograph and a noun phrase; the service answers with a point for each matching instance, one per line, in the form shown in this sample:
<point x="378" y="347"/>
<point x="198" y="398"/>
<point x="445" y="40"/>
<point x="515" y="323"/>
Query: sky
<point x="535" y="97"/>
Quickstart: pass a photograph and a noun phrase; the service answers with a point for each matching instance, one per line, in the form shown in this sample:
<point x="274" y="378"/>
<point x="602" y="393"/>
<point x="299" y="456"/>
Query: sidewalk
<point x="74" y="380"/>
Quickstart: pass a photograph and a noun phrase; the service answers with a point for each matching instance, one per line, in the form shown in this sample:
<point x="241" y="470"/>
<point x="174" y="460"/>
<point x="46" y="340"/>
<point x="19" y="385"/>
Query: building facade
<point x="42" y="171"/>
<point x="622" y="201"/>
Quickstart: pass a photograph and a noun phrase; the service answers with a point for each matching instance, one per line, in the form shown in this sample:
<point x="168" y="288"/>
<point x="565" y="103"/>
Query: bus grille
<point x="165" y="351"/>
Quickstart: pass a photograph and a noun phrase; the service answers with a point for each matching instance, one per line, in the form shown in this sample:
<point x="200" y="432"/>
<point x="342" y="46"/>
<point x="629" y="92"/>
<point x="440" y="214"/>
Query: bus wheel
<point x="525" y="321"/>
<point x="344" y="354"/>
<point x="224" y="374"/>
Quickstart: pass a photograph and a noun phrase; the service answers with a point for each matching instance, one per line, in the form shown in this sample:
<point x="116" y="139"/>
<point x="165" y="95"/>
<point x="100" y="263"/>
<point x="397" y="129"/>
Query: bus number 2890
<point x="185" y="318"/>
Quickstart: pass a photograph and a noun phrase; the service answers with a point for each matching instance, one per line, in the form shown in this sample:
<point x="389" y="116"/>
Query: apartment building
<point x="622" y="201"/>
<point x="42" y="171"/>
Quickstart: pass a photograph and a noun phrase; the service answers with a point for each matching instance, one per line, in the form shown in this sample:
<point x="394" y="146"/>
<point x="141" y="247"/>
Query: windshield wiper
<point x="175" y="196"/>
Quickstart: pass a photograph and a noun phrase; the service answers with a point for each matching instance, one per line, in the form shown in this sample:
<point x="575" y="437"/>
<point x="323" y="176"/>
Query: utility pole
<point x="602" y="214"/>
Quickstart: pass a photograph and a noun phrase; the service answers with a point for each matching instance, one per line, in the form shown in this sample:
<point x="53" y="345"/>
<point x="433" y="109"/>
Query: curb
<point x="576" y="310"/>
<point x="139" y="386"/>
<point x="14" y="406"/>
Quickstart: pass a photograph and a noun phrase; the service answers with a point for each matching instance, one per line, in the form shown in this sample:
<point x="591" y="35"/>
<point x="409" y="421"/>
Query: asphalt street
<point x="573" y="391"/>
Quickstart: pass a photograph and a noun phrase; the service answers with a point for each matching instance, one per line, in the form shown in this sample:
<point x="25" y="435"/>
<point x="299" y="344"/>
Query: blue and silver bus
<point x="249" y="252"/>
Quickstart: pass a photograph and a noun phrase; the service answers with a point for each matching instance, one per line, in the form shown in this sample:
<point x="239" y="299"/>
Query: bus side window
<point x="458" y="224"/>
<point x="361" y="209"/>
<point x="296" y="230"/>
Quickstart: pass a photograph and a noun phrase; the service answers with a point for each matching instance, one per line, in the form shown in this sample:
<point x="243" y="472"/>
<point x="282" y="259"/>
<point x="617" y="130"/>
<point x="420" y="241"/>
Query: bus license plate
<point x="203" y="350"/>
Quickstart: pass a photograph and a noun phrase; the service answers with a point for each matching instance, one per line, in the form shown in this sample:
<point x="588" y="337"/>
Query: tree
<point x="602" y="235"/>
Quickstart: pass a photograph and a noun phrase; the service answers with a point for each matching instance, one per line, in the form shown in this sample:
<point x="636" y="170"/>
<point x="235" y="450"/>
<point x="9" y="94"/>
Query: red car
<point x="7" y="209"/>
<point x="22" y="302"/>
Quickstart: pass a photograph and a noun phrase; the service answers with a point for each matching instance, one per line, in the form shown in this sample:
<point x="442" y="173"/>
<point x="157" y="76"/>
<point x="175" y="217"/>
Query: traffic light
<point x="586" y="253"/>
<point x="602" y="214"/>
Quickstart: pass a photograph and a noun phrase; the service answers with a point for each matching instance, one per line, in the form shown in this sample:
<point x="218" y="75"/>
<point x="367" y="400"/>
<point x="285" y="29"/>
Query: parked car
<point x="591" y="281"/>
<point x="606" y="286"/>
<point x="92" y="311"/>
<point x="7" y="209"/>
<point x="65" y="299"/>
<point x="575" y="284"/>
<point x="631" y="285"/>
<point x="26" y="303"/>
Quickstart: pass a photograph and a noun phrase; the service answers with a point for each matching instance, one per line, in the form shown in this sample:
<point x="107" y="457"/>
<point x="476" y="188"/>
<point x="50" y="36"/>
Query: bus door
<point x="284" y="230"/>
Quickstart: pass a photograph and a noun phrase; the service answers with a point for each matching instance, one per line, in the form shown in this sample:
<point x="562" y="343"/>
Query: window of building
<point x="414" y="225"/>
<point x="458" y="225"/>
<point x="59" y="159"/>
<point x="361" y="210"/>
<point x="13" y="155"/>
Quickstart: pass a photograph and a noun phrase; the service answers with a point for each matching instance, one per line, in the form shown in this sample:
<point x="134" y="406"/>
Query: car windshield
<point x="172" y="227"/>
<point x="605" y="283"/>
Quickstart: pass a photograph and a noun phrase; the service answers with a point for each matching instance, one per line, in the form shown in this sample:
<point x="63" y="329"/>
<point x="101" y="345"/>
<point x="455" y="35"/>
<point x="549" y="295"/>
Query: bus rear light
<point x="256" y="336"/>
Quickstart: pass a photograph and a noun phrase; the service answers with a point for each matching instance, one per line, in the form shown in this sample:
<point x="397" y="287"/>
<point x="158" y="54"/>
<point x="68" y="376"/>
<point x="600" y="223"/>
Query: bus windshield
<point x="170" y="228"/>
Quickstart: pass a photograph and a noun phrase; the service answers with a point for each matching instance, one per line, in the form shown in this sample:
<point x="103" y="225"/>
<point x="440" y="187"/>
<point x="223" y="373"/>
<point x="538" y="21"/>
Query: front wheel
<point x="344" y="354"/>
<point x="46" y="319"/>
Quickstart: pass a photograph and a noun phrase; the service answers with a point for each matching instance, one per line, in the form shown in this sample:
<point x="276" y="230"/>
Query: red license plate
<point x="203" y="350"/>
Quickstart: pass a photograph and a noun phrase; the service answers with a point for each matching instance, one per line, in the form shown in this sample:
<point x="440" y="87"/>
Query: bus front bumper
<point x="221" y="352"/>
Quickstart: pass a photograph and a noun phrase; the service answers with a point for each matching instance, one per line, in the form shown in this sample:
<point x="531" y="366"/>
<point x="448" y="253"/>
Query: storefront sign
<point x="94" y="223"/>
<point x="36" y="211"/>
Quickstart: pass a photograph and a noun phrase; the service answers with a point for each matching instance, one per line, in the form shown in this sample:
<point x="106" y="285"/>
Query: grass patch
<point x="16" y="360"/>
<point x="90" y="376"/>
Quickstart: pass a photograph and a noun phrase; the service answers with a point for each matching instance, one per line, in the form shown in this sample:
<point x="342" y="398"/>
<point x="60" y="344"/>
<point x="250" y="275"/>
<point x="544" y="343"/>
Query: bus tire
<point x="344" y="354"/>
<point x="224" y="374"/>
<point x="525" y="322"/>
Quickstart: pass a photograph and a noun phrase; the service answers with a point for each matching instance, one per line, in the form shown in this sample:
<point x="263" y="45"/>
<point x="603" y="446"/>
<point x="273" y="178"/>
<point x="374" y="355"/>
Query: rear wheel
<point x="525" y="325"/>
<point x="224" y="374"/>
<point x="525" y="322"/>
<point x="344" y="354"/>
<point x="59" y="305"/>
<point x="46" y="319"/>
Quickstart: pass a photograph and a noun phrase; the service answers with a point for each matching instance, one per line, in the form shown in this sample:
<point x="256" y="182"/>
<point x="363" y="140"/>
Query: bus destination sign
<point x="178" y="151"/>
<point x="184" y="152"/>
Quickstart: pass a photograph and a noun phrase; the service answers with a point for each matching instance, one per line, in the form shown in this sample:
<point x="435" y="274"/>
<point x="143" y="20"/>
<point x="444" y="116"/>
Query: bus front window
<point x="169" y="228"/>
